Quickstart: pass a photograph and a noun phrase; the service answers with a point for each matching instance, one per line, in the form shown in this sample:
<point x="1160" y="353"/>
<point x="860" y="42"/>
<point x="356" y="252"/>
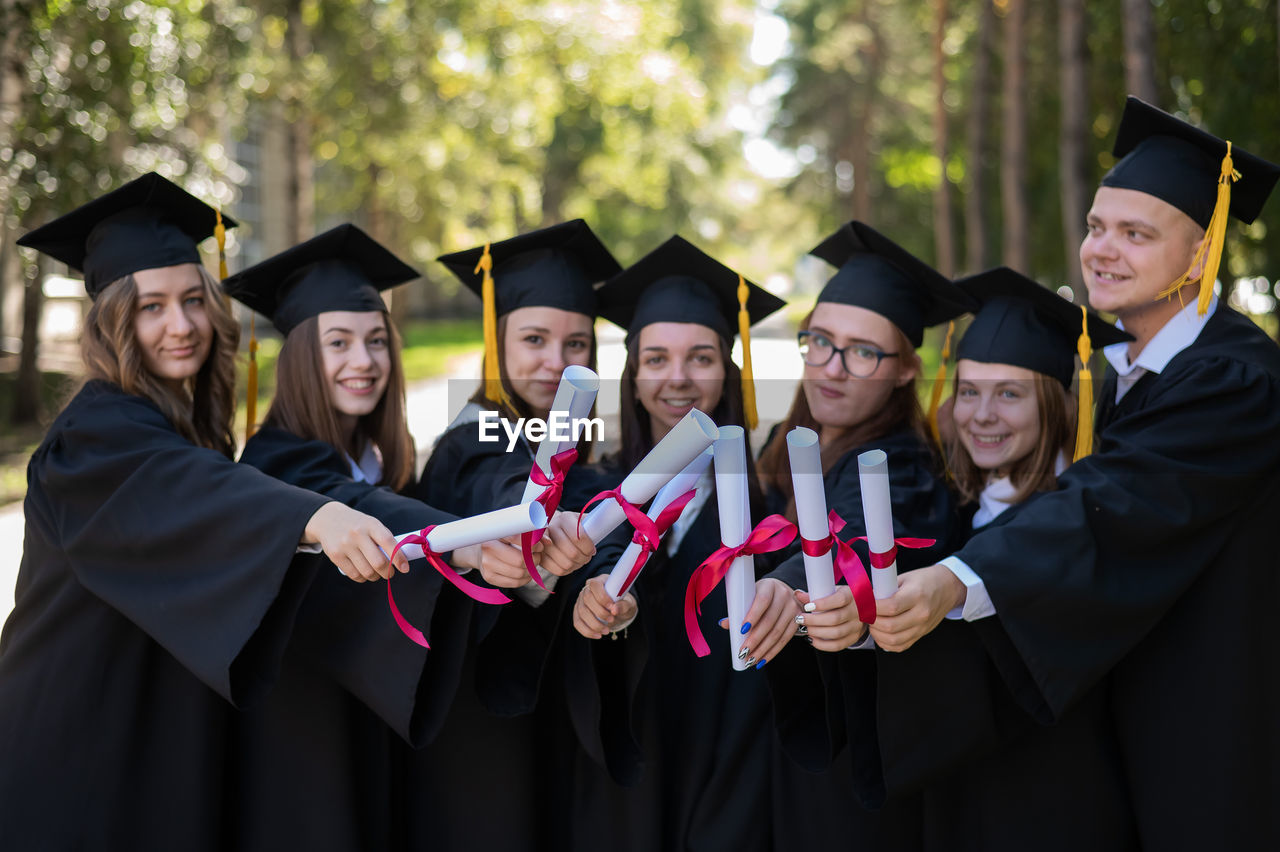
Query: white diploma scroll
<point x="574" y="398"/>
<point x="877" y="515"/>
<point x="500" y="523"/>
<point x="811" y="508"/>
<point x="683" y="482"/>
<point x="693" y="434"/>
<point x="735" y="525"/>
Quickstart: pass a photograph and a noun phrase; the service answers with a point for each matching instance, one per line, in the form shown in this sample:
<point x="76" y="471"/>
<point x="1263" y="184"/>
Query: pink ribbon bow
<point x="649" y="535"/>
<point x="471" y="590"/>
<point x="773" y="533"/>
<point x="552" y="491"/>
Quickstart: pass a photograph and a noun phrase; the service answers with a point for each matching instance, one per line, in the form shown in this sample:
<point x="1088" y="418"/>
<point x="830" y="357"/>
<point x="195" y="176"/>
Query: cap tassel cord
<point x="493" y="389"/>
<point x="939" y="380"/>
<point x="1210" y="251"/>
<point x="1084" y="415"/>
<point x="748" y="380"/>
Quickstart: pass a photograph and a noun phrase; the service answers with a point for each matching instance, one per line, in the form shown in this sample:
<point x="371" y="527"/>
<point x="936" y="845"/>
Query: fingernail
<point x="760" y="664"/>
<point x="746" y="625"/>
<point x="750" y="660"/>
<point x="743" y="653"/>
<point x="723" y="621"/>
<point x="810" y="606"/>
<point x="800" y="619"/>
<point x="809" y="639"/>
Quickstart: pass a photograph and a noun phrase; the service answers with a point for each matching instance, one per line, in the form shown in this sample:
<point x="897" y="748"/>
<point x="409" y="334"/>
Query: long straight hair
<point x="298" y="409"/>
<point x="901" y="411"/>
<point x="1037" y="470"/>
<point x="202" y="410"/>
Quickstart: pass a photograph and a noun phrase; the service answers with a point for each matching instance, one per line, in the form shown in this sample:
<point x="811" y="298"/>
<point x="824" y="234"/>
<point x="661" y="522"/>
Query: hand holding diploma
<point x="923" y="599"/>
<point x="596" y="613"/>
<point x="831" y="623"/>
<point x="770" y="622"/>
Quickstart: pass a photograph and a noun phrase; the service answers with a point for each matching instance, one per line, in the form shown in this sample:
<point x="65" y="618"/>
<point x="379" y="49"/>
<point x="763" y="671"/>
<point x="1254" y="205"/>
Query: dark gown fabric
<point x="157" y="588"/>
<point x="353" y="687"/>
<point x="1151" y="573"/>
<point x="701" y="728"/>
<point x="482" y="783"/>
<point x="822" y="786"/>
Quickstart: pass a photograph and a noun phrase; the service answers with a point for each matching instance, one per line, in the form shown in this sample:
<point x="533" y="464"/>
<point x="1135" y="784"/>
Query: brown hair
<point x="298" y="409"/>
<point x="519" y="407"/>
<point x="202" y="411"/>
<point x="901" y="411"/>
<point x="1036" y="471"/>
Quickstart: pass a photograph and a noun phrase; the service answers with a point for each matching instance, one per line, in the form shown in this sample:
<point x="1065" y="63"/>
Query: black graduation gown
<point x="821" y="793"/>
<point x="352" y="687"/>
<point x="1152" y="570"/>
<point x="480" y="784"/>
<point x="157" y="585"/>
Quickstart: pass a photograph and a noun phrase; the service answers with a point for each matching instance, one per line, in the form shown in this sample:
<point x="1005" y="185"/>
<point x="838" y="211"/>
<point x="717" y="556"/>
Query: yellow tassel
<point x="1084" y="413"/>
<point x="1210" y="251"/>
<point x="251" y="386"/>
<point x="220" y="233"/>
<point x="748" y="381"/>
<point x="493" y="389"/>
<point x="939" y="381"/>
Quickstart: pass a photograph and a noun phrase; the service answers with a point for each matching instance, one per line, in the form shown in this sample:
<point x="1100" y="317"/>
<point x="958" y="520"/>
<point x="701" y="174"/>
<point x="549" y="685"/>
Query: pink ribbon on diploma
<point x="649" y="535"/>
<point x="773" y="533"/>
<point x="845" y="564"/>
<point x="471" y="590"/>
<point x="552" y="491"/>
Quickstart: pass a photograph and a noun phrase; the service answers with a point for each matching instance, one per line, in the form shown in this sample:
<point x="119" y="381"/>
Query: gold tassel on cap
<point x="1084" y="414"/>
<point x="1210" y="251"/>
<point x="939" y="380"/>
<point x="748" y="381"/>
<point x="220" y="234"/>
<point x="493" y="389"/>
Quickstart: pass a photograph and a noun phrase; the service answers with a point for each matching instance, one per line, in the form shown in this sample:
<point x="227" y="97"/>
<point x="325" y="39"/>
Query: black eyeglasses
<point x="860" y="360"/>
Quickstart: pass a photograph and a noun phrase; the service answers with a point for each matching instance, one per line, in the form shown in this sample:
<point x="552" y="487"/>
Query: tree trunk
<point x="300" y="209"/>
<point x="13" y="49"/>
<point x="864" y="117"/>
<point x="26" y="391"/>
<point x="1139" y="50"/>
<point x="944" y="240"/>
<point x="1073" y="164"/>
<point x="1013" y="157"/>
<point x="975" y="199"/>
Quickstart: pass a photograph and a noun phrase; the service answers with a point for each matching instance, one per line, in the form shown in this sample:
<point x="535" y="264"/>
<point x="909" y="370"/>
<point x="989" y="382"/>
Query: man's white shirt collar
<point x="1178" y="333"/>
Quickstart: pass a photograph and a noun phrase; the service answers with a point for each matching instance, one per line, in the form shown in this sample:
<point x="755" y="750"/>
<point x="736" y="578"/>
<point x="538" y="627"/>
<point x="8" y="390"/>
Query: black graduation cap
<point x="678" y="282"/>
<point x="555" y="267"/>
<point x="1026" y="325"/>
<point x="146" y="224"/>
<point x="1178" y="163"/>
<point x="342" y="269"/>
<point x="877" y="274"/>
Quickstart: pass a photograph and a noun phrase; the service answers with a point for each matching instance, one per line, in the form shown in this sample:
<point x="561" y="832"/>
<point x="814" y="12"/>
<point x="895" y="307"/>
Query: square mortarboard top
<point x="1179" y="163"/>
<point x="1024" y="324"/>
<point x="678" y="282"/>
<point x="342" y="269"/>
<point x="148" y="223"/>
<point x="877" y="274"/>
<point x="554" y="267"/>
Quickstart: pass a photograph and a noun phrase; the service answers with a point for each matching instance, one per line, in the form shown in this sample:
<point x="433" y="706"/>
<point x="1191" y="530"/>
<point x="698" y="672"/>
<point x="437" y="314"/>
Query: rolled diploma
<point x="877" y="515"/>
<point x="735" y="524"/>
<point x="680" y="483"/>
<point x="811" y="507"/>
<point x="575" y="395"/>
<point x="693" y="434"/>
<point x="500" y="523"/>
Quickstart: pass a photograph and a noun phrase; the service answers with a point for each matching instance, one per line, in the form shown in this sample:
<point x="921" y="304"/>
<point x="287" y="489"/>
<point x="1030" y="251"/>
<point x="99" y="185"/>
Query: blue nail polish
<point x="760" y="664"/>
<point x="745" y="627"/>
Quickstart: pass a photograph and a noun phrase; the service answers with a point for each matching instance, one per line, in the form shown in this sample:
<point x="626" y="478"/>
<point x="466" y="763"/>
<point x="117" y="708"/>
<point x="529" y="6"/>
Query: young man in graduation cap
<point x="1150" y="572"/>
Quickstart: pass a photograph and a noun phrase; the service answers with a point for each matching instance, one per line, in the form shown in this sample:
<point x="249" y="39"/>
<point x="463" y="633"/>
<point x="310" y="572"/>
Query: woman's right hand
<point x="831" y="622"/>
<point x="355" y="542"/>
<point x="502" y="562"/>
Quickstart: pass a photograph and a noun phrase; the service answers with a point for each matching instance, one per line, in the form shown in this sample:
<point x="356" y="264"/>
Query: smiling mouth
<point x="1109" y="277"/>
<point x="357" y="384"/>
<point x="679" y="402"/>
<point x="988" y="440"/>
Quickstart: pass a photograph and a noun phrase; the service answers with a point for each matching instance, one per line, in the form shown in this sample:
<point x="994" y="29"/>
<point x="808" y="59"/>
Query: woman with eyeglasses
<point x="858" y="392"/>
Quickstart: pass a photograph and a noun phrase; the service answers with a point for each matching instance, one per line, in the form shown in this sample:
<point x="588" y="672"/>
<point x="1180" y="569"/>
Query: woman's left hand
<point x="923" y="598"/>
<point x="595" y="613"/>
<point x="771" y="621"/>
<point x="564" y="551"/>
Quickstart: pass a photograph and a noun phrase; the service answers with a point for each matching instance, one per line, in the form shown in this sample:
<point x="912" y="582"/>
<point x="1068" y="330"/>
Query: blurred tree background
<point x="971" y="131"/>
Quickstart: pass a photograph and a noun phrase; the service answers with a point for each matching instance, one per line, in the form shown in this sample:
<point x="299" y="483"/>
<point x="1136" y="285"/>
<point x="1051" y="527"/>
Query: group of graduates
<point x="1078" y="655"/>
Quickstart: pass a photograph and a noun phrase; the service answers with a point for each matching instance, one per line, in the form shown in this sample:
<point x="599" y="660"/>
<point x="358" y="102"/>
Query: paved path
<point x="432" y="404"/>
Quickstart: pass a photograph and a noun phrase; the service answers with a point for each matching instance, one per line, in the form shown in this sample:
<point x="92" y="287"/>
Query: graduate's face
<point x="680" y="368"/>
<point x="171" y="321"/>
<point x="996" y="414"/>
<point x="838" y="400"/>
<point x="355" y="350"/>
<point x="539" y="344"/>
<point x="1136" y="245"/>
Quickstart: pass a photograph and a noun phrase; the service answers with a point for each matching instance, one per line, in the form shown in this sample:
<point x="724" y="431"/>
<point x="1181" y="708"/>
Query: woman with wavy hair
<point x="158" y="585"/>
